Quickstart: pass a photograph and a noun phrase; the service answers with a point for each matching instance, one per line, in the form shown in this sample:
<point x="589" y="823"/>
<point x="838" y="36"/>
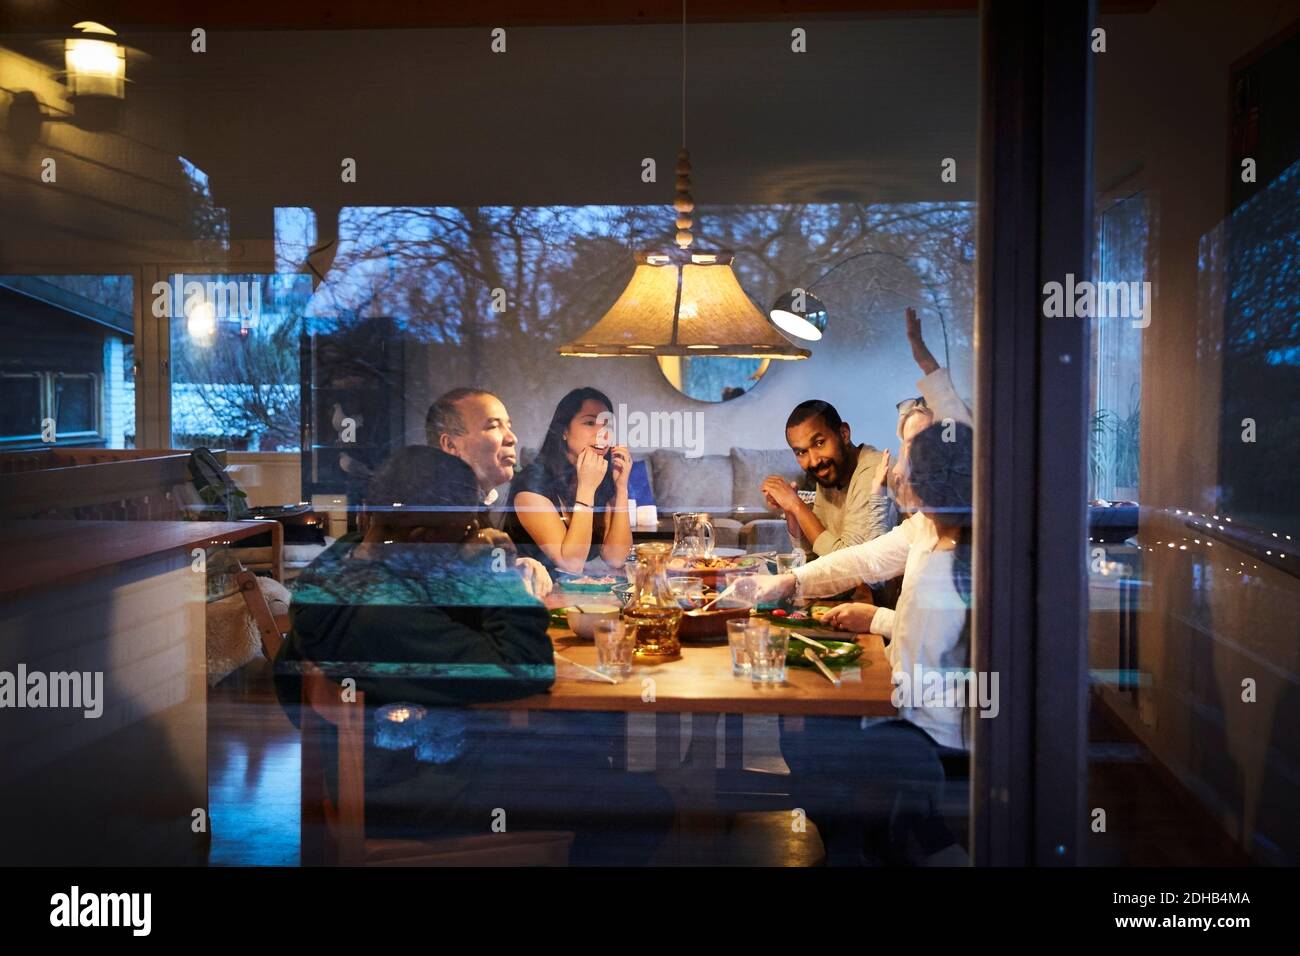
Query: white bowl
<point x="582" y="618"/>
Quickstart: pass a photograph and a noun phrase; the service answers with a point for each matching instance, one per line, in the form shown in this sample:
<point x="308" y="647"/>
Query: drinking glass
<point x="746" y="593"/>
<point x="688" y="591"/>
<point x="766" y="647"/>
<point x="398" y="726"/>
<point x="736" y="638"/>
<point x="785" y="563"/>
<point x="614" y="645"/>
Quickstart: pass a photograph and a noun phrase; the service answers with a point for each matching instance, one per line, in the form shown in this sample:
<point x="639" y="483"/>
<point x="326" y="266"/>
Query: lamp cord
<point x="683" y="74"/>
<point x="943" y="324"/>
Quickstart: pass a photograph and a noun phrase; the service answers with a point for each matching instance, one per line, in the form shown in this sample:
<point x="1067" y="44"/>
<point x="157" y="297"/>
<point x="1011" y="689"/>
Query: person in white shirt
<point x="867" y="773"/>
<point x="938" y="402"/>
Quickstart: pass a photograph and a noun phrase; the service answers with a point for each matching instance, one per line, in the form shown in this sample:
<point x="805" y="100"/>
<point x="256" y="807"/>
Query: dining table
<point x="701" y="683"/>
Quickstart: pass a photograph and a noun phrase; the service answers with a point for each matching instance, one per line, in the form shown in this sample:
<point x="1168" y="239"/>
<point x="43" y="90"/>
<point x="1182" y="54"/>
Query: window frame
<point x="15" y="440"/>
<point x="96" y="398"/>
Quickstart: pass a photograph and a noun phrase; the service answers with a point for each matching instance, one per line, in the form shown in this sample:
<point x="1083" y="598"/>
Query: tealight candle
<point x="397" y="726"/>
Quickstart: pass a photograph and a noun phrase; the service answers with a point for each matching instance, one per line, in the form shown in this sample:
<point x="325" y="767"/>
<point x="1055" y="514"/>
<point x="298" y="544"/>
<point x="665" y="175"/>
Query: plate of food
<point x="728" y="552"/>
<point x="837" y="654"/>
<point x="567" y="581"/>
<point x="810" y="617"/>
<point x="714" y="569"/>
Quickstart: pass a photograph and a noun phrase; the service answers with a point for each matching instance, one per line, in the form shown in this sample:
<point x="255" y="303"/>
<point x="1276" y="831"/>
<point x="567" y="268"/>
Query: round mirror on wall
<point x="713" y="379"/>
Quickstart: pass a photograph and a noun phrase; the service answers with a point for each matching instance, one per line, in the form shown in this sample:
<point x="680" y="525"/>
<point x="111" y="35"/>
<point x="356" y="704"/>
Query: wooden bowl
<point x="698" y="625"/>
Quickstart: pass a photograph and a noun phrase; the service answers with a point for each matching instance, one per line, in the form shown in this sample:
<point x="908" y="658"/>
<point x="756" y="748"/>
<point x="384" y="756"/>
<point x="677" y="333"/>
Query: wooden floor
<point x="1150" y="820"/>
<point x="253" y="774"/>
<point x="253" y="765"/>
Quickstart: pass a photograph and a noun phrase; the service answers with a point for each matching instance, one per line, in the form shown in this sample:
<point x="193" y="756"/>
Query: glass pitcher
<point x="692" y="535"/>
<point x="652" y="613"/>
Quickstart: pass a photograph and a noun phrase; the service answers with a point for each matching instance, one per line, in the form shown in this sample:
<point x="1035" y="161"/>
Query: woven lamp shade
<point x="713" y="316"/>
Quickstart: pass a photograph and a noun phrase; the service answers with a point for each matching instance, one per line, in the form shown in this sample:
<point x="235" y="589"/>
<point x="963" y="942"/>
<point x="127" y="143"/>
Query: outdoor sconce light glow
<point x="801" y="314"/>
<point x="96" y="67"/>
<point x="96" y="75"/>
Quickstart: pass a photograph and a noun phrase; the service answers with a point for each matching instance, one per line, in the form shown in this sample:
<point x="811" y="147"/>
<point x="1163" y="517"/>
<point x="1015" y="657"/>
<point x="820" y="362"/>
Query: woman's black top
<point x="555" y="489"/>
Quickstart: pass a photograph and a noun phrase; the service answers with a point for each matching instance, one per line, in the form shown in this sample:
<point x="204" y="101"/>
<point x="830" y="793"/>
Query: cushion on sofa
<point x="690" y="484"/>
<point x="751" y="465"/>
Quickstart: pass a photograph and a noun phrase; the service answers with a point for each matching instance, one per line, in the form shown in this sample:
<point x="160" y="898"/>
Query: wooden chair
<point x="334" y="832"/>
<point x="272" y="628"/>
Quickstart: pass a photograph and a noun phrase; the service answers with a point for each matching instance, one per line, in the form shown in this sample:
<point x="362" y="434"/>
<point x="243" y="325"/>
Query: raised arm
<point x="936" y="384"/>
<point x="920" y="351"/>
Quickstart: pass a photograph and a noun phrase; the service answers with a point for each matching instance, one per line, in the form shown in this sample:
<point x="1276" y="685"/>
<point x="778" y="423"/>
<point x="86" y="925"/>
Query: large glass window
<point x="1121" y="253"/>
<point x="235" y="359"/>
<point x="67" y="367"/>
<point x="1194" y="566"/>
<point x="502" y="545"/>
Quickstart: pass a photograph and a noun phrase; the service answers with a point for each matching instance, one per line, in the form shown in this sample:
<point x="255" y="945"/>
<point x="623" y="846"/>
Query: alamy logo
<point x="103" y="909"/>
<point x="926" y="688"/>
<point x="57" y="689"/>
<point x="654" y="430"/>
<point x="233" y="299"/>
<point x="1098" y="300"/>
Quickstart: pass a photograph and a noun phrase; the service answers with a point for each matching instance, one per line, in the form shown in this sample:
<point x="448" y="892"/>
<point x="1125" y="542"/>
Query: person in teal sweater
<point x="425" y="606"/>
<point x="423" y="596"/>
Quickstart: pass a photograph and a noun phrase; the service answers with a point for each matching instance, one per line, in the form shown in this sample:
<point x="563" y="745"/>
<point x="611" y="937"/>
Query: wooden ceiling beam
<point x="123" y="15"/>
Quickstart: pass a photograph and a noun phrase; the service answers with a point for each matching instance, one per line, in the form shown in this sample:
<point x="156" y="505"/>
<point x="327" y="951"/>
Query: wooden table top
<point x="47" y="551"/>
<point x="702" y="682"/>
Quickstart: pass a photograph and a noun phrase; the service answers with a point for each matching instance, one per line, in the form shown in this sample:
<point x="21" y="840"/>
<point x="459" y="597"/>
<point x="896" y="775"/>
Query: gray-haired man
<point x="473" y="425"/>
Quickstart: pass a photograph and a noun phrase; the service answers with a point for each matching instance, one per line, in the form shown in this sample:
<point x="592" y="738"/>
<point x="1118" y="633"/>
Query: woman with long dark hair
<point x="570" y="505"/>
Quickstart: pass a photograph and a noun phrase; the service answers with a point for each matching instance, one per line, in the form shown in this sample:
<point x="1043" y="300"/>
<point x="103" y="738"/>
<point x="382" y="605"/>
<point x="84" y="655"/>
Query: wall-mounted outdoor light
<point x="95" y="73"/>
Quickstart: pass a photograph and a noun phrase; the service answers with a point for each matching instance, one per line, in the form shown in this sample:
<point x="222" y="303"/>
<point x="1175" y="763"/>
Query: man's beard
<point x="832" y="476"/>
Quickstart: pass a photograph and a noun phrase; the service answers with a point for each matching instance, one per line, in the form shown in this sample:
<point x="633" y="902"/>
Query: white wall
<point x="268" y="478"/>
<point x="865" y="384"/>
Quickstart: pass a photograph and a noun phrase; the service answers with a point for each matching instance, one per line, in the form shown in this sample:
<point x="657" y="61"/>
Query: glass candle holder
<point x="442" y="737"/>
<point x="397" y="726"/>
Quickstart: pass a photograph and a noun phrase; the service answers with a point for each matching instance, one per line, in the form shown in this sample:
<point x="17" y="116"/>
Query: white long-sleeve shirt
<point x="943" y="401"/>
<point x="942" y="398"/>
<point x="927" y="625"/>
